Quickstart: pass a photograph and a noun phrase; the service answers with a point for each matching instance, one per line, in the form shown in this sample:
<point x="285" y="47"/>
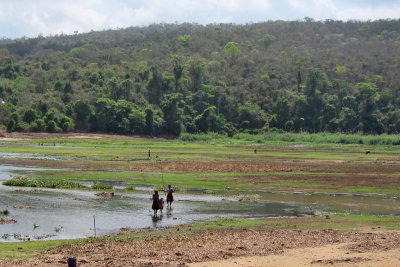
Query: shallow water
<point x="351" y="203"/>
<point x="77" y="212"/>
<point x="65" y="214"/>
<point x="13" y="155"/>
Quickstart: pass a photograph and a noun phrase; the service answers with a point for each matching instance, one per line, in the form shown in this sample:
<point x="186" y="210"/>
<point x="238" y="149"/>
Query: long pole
<point x="162" y="177"/>
<point x="94" y="224"/>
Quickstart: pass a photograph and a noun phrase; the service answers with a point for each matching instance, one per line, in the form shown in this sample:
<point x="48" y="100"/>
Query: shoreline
<point x="275" y="242"/>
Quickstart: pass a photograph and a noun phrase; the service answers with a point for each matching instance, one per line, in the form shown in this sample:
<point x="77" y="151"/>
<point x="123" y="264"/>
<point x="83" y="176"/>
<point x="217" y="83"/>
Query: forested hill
<point x="170" y="78"/>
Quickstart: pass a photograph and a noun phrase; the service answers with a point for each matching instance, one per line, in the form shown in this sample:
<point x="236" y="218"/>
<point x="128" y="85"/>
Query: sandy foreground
<point x="259" y="246"/>
<point x="330" y="255"/>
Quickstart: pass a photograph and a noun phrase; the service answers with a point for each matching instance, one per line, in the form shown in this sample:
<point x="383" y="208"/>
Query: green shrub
<point x="42" y="183"/>
<point x="130" y="188"/>
<point x="98" y="186"/>
<point x="4" y="212"/>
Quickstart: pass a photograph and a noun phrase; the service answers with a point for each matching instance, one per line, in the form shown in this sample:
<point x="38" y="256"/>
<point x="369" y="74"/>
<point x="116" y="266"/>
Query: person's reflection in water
<point x="169" y="213"/>
<point x="156" y="220"/>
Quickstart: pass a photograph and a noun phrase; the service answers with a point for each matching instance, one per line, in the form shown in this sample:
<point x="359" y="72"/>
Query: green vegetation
<point x="234" y="223"/>
<point x="178" y="179"/>
<point x="98" y="186"/>
<point x="168" y="79"/>
<point x="308" y="162"/>
<point x="29" y="248"/>
<point x="372" y="189"/>
<point x="130" y="188"/>
<point x="296" y="185"/>
<point x="4" y="212"/>
<point x="386" y="222"/>
<point x="303" y="138"/>
<point x="46" y="183"/>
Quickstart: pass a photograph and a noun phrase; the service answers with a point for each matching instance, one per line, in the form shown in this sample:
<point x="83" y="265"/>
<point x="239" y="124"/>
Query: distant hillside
<point x="170" y="78"/>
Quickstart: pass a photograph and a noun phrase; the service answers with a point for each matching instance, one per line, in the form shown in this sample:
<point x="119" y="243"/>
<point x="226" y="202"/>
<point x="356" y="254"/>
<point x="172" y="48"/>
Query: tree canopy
<point x="294" y="76"/>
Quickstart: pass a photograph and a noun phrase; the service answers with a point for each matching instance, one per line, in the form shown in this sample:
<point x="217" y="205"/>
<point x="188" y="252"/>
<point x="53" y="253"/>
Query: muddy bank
<point x="183" y="246"/>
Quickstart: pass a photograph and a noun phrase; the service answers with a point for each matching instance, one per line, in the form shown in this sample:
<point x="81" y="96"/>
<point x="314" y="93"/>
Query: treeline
<point x="168" y="79"/>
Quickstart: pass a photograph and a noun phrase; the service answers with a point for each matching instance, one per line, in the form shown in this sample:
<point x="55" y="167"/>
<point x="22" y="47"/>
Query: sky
<point x="30" y="18"/>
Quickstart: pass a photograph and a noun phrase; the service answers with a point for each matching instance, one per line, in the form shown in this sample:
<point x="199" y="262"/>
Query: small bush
<point x="209" y="137"/>
<point x="4" y="212"/>
<point x="130" y="188"/>
<point x="22" y="127"/>
<point x="43" y="183"/>
<point x="98" y="186"/>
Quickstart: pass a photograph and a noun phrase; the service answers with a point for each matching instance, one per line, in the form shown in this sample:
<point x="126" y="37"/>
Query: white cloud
<point x="51" y="17"/>
<point x="370" y="13"/>
<point x="295" y="3"/>
<point x="325" y="9"/>
<point x="317" y="9"/>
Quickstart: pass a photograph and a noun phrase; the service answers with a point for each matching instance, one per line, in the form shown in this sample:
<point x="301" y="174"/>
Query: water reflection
<point x="169" y="212"/>
<point x="26" y="156"/>
<point x="72" y="212"/>
<point x="156" y="219"/>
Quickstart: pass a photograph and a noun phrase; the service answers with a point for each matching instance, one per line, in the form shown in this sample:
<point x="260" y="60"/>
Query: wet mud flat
<point x="69" y="214"/>
<point x="66" y="214"/>
<point x="46" y="214"/>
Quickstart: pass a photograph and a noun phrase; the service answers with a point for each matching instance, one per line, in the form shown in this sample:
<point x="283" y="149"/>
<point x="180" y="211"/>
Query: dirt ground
<point x="330" y="255"/>
<point x="261" y="246"/>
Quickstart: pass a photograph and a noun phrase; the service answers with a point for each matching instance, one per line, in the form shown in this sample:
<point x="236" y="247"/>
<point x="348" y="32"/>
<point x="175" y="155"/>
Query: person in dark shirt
<point x="156" y="198"/>
<point x="170" y="197"/>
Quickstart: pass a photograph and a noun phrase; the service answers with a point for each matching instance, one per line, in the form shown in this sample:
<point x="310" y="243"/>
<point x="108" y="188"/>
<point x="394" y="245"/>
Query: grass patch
<point x="387" y="222"/>
<point x="296" y="185"/>
<point x="370" y="189"/>
<point x="232" y="223"/>
<point x="313" y="138"/>
<point x="328" y="224"/>
<point x="98" y="186"/>
<point x="14" y="250"/>
<point x="185" y="180"/>
<point x="115" y="158"/>
<point x="130" y="188"/>
<point x="25" y="182"/>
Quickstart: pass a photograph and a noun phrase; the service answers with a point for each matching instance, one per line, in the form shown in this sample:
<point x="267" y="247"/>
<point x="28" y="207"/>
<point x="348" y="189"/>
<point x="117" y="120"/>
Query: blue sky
<point x="30" y="18"/>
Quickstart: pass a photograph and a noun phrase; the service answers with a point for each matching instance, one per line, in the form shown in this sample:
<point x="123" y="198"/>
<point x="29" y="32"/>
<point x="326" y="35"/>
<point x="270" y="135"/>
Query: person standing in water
<point x="156" y="198"/>
<point x="170" y="197"/>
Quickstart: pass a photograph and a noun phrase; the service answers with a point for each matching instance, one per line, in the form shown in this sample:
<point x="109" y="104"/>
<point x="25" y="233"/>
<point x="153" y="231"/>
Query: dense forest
<point x="165" y="79"/>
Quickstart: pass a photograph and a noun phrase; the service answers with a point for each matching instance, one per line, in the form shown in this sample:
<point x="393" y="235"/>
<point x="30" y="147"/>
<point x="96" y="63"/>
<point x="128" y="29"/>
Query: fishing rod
<point x="162" y="177"/>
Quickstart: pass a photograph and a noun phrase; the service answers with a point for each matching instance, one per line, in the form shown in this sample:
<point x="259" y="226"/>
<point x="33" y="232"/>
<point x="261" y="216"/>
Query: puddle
<point x="26" y="156"/>
<point x="67" y="214"/>
<point x="354" y="204"/>
<point x="300" y="146"/>
<point x="6" y="172"/>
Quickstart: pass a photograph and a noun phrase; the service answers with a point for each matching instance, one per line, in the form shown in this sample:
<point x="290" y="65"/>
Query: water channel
<point x="66" y="214"/>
